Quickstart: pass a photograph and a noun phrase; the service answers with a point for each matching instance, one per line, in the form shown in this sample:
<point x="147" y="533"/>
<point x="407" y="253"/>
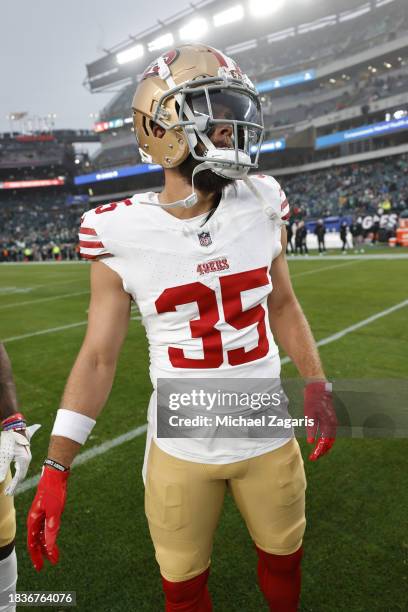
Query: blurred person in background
<point x="360" y="234"/>
<point x="320" y="231"/>
<point x="300" y="238"/>
<point x="343" y="237"/>
<point x="289" y="229"/>
<point x="375" y="229"/>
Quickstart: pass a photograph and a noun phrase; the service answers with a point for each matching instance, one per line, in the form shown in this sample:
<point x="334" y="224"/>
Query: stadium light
<point x="166" y="40"/>
<point x="194" y="29"/>
<point x="260" y="8"/>
<point x="235" y="13"/>
<point x="130" y="54"/>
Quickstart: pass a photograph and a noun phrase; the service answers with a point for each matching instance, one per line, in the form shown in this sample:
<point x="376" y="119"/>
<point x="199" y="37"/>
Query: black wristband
<point x="56" y="465"/>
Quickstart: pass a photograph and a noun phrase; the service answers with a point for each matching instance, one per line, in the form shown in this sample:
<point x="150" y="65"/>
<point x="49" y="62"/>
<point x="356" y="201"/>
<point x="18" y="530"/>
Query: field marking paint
<point x="40" y="300"/>
<point x="342" y="265"/>
<point x="14" y="290"/>
<point x="45" y="263"/>
<point x="52" y="330"/>
<point x="352" y="328"/>
<point x="95" y="451"/>
<point x="343" y="257"/>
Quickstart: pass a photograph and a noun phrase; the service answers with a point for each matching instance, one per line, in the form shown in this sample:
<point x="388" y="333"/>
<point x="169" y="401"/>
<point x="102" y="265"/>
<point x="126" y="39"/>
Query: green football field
<point x="356" y="544"/>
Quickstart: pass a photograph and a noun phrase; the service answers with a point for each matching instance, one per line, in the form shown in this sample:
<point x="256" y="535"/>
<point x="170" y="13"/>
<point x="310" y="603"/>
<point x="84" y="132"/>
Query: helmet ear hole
<point x="144" y="125"/>
<point x="156" y="130"/>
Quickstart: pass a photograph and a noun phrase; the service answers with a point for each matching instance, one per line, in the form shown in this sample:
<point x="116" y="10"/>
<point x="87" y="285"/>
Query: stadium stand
<point x="323" y="40"/>
<point x="355" y="189"/>
<point x="42" y="222"/>
<point x="357" y="55"/>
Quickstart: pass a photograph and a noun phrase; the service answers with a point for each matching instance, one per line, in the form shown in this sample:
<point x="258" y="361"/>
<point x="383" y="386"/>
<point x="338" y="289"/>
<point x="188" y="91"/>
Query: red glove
<point x="44" y="517"/>
<point x="318" y="405"/>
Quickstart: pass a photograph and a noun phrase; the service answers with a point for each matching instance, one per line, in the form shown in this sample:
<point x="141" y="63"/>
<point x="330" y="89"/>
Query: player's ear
<point x="157" y="130"/>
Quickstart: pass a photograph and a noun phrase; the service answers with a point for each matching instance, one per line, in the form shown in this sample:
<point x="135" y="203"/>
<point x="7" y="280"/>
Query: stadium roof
<point x="213" y="22"/>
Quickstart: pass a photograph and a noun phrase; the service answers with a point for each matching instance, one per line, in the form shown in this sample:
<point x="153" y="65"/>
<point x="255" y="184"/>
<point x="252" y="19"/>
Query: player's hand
<point x="15" y="448"/>
<point x="44" y="517"/>
<point x="318" y="405"/>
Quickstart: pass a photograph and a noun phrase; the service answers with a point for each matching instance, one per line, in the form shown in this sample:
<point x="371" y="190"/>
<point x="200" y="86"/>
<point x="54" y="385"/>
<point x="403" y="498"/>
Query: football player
<point x="200" y="259"/>
<point x="14" y="448"/>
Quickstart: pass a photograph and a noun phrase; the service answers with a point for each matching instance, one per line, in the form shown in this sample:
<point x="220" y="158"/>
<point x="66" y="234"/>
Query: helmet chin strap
<point x="268" y="209"/>
<point x="190" y="200"/>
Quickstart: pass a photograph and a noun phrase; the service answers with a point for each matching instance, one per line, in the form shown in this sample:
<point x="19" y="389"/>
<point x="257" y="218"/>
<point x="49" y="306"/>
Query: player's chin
<point x="209" y="182"/>
<point x="206" y="180"/>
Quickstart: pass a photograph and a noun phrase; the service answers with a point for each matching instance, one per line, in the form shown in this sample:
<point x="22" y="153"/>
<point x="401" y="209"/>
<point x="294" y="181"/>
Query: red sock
<point x="188" y="596"/>
<point x="279" y="578"/>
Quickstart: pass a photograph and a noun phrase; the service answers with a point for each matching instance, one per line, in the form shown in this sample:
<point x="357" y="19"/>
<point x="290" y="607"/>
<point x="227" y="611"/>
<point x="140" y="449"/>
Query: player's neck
<point x="177" y="190"/>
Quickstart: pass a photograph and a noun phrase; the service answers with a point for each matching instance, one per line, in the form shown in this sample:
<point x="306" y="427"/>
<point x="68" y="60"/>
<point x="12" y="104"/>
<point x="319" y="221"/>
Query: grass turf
<point x="356" y="542"/>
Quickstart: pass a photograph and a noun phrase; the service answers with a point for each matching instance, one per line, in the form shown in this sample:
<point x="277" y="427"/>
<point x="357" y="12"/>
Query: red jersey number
<point x="204" y="327"/>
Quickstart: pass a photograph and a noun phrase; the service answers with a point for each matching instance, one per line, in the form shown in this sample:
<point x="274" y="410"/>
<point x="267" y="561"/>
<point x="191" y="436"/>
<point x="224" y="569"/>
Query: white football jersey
<point x="202" y="289"/>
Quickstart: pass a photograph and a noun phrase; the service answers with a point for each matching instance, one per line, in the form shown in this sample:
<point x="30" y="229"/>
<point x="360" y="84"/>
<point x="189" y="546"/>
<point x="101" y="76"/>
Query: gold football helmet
<point x="187" y="91"/>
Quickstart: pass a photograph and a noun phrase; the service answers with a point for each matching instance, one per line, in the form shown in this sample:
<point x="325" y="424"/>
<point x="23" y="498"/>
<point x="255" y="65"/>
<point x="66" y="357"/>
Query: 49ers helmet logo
<point x="153" y="69"/>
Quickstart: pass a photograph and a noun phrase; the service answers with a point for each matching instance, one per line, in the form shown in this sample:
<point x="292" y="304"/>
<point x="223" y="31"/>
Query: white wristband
<point x="73" y="425"/>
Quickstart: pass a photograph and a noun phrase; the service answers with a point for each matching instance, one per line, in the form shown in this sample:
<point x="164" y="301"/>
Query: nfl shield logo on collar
<point x="205" y="238"/>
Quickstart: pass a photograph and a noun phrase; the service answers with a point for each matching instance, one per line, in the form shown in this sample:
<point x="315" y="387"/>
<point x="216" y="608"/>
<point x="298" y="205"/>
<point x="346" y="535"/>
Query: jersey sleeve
<point x="90" y="240"/>
<point x="275" y="195"/>
<point x="284" y="205"/>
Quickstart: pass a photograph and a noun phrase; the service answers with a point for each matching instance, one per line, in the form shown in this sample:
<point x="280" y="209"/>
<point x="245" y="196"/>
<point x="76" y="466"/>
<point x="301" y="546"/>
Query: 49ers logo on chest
<point x="168" y="58"/>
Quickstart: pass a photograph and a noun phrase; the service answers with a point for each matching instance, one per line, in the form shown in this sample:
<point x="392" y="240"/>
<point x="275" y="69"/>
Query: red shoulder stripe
<point x="284" y="204"/>
<point x="87" y="230"/>
<point x="84" y="256"/>
<point x="91" y="244"/>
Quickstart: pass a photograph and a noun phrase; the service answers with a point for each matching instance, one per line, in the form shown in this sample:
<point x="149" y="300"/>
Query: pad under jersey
<point x="201" y="288"/>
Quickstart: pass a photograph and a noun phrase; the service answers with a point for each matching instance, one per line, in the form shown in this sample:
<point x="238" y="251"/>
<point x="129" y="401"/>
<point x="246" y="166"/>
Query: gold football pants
<point x="7" y="515"/>
<point x="183" y="502"/>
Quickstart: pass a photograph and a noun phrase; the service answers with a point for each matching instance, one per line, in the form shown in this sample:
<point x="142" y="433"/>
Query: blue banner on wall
<point x="286" y="80"/>
<point x="115" y="173"/>
<point x="362" y="133"/>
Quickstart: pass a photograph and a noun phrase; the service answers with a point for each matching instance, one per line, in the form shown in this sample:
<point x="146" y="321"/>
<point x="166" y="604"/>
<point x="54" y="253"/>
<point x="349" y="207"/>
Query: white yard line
<point x="95" y="451"/>
<point x="45" y="263"/>
<point x="20" y="290"/>
<point x="368" y="257"/>
<point x="40" y="300"/>
<point x="51" y="330"/>
<point x="352" y="328"/>
<point x="342" y="265"/>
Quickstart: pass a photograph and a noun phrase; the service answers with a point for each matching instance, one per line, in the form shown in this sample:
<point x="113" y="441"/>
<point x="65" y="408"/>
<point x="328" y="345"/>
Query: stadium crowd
<point x="38" y="228"/>
<point x="354" y="189"/>
<point x="44" y="227"/>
